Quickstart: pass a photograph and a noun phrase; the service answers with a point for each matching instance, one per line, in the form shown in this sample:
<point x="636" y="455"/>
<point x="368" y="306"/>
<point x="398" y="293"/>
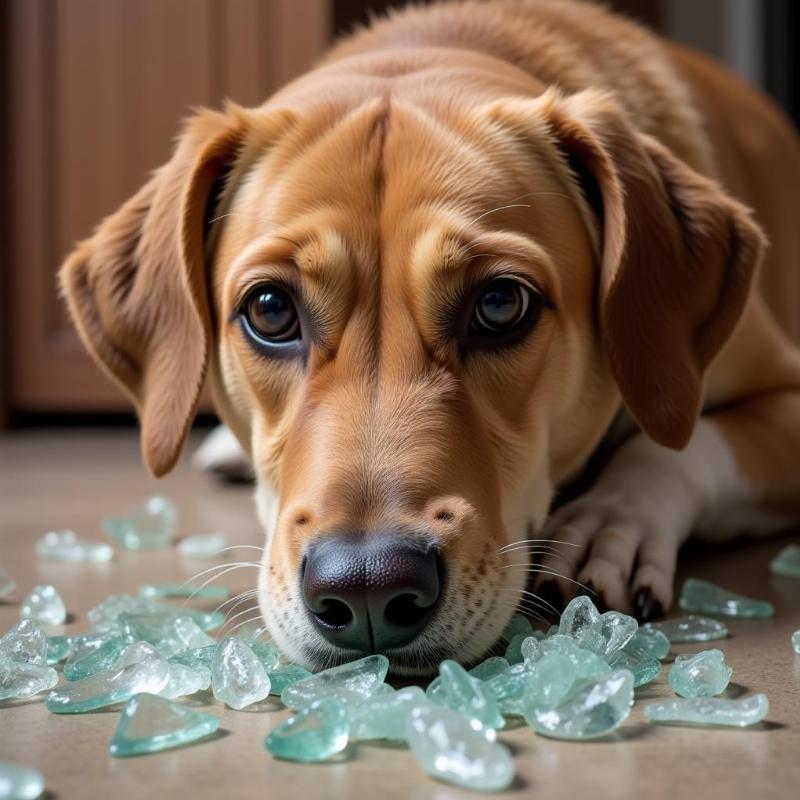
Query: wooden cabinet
<point x="96" y="90"/>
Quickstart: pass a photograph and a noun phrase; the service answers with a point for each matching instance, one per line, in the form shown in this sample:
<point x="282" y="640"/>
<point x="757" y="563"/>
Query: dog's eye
<point x="503" y="307"/>
<point x="271" y="315"/>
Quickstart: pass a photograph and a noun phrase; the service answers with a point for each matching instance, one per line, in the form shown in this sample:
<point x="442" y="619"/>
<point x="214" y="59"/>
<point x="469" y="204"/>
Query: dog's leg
<point x="738" y="474"/>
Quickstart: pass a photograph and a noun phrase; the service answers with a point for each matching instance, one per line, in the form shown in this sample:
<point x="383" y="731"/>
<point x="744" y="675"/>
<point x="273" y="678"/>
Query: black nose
<point x="371" y="592"/>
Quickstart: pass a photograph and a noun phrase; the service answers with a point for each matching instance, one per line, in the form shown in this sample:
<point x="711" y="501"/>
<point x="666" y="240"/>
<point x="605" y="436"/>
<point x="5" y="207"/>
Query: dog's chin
<point x="419" y="660"/>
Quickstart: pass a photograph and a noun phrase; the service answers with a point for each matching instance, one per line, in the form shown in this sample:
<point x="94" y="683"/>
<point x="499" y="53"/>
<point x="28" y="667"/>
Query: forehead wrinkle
<point x="442" y="253"/>
<point x="322" y="259"/>
<point x="324" y="252"/>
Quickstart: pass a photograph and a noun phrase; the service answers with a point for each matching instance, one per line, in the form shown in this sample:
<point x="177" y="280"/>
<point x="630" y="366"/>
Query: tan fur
<point x="427" y="151"/>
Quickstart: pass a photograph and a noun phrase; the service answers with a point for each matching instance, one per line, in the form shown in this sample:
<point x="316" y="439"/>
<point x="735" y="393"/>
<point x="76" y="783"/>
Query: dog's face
<point x="407" y="358"/>
<point x="414" y="326"/>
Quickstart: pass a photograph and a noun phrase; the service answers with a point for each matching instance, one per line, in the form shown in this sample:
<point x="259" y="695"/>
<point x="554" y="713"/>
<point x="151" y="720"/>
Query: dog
<point x="480" y="252"/>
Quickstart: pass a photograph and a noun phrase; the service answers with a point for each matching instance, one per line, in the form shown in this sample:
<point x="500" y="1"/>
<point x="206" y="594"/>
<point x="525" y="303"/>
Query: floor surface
<point x="52" y="479"/>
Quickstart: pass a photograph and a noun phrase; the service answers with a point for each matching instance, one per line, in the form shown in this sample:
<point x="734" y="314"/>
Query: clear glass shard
<point x="149" y="723"/>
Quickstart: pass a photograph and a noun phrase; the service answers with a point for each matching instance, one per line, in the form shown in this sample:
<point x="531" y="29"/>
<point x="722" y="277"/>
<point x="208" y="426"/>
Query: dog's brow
<point x="311" y="255"/>
<point x="325" y="251"/>
<point x="445" y="252"/>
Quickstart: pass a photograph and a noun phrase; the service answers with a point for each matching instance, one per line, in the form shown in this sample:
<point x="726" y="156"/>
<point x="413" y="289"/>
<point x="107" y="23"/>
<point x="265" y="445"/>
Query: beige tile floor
<point x="72" y="479"/>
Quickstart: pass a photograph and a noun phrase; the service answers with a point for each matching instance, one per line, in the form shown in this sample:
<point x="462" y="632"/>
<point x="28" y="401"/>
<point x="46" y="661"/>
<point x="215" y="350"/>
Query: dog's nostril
<point x="371" y="592"/>
<point x="403" y="611"/>
<point x="334" y="613"/>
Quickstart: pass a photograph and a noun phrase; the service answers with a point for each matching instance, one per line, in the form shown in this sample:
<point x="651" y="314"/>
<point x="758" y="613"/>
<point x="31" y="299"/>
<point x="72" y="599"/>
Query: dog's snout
<point x="371" y="592"/>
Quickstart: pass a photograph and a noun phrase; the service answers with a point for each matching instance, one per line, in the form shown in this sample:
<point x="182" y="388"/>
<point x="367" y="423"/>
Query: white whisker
<point x="499" y="208"/>
<point x="552" y="554"/>
<point x="248" y="610"/>
<point x="244" y="622"/>
<point x="536" y="570"/>
<point x="240" y="547"/>
<point x="512" y="545"/>
<point x="237" y="599"/>
<point x="532" y="597"/>
<point x="230" y="568"/>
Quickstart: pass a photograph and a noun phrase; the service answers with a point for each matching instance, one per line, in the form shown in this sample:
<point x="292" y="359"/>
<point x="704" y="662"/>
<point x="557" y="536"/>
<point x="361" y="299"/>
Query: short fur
<point x="435" y="149"/>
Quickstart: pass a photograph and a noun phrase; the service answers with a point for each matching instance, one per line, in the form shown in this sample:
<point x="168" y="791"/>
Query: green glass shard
<point x="645" y="668"/>
<point x="44" y="605"/>
<point x="26" y="642"/>
<point x="357" y="678"/>
<point x="518" y="624"/>
<point x="384" y="716"/>
<point x="184" y="681"/>
<point x="267" y="654"/>
<point x="116" y="685"/>
<point x="196" y="657"/>
<point x="136" y="652"/>
<point x="530" y="649"/>
<point x="185" y="590"/>
<point x="579" y="615"/>
<point x="553" y="677"/>
<point x="315" y="733"/>
<point x="707" y="598"/>
<point x="149" y="724"/>
<point x="57" y="649"/>
<point x="710" y="711"/>
<point x="704" y="674"/>
<point x="453" y="748"/>
<point x="469" y="696"/>
<point x="512" y="706"/>
<point x="66" y="546"/>
<point x="84" y="643"/>
<point x="7" y="584"/>
<point x="106" y="615"/>
<point x="689" y="629"/>
<point x="495" y="665"/>
<point x="207" y="545"/>
<point x="593" y="708"/>
<point x="588" y="664"/>
<point x="513" y="653"/>
<point x="19" y="679"/>
<point x="96" y="661"/>
<point x="649" y="641"/>
<point x="206" y="620"/>
<point x="238" y="678"/>
<point x="284" y="676"/>
<point x="19" y="783"/>
<point x="510" y="683"/>
<point x="435" y="691"/>
<point x="787" y="562"/>
<point x="151" y="526"/>
<point x="167" y="633"/>
<point x="609" y="633"/>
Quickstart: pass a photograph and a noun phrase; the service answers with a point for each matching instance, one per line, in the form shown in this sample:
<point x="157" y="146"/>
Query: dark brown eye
<point x="271" y="315"/>
<point x="501" y="306"/>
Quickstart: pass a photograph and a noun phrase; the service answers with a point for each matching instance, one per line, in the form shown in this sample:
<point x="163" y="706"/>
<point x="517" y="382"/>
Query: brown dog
<point x="430" y="279"/>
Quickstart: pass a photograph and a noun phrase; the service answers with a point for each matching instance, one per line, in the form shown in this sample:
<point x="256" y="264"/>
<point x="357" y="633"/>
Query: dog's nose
<point x="371" y="592"/>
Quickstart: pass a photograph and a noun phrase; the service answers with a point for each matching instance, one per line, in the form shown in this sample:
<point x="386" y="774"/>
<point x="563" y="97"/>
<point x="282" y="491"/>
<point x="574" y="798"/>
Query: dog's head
<point x="419" y="320"/>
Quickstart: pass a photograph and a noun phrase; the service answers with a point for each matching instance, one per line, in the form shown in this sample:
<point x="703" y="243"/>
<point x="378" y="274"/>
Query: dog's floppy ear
<point x="136" y="289"/>
<point x="678" y="255"/>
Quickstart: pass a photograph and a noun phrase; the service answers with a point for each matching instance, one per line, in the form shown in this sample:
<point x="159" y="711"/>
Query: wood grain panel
<point x="98" y="89"/>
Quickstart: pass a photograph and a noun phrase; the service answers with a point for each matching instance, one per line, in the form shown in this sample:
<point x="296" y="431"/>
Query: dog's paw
<point x="617" y="554"/>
